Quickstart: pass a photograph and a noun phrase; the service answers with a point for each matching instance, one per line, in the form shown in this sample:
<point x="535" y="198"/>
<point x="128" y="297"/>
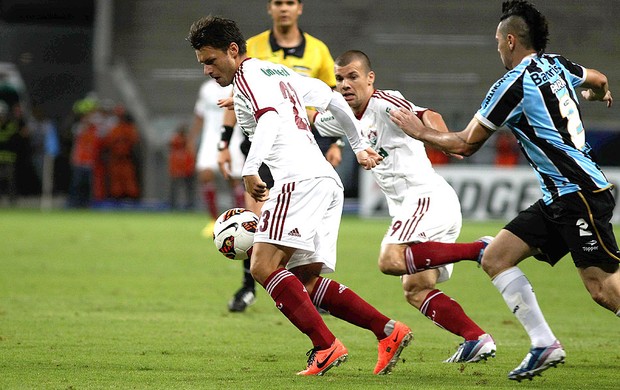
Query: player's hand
<point x="226" y="103"/>
<point x="256" y="188"/>
<point x="408" y="122"/>
<point x="589" y="95"/>
<point x="368" y="158"/>
<point x="224" y="162"/>
<point x="334" y="155"/>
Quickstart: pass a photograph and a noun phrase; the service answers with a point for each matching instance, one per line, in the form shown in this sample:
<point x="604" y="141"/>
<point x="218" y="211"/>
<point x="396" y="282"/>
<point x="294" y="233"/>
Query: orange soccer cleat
<point x="391" y="347"/>
<point x="320" y="361"/>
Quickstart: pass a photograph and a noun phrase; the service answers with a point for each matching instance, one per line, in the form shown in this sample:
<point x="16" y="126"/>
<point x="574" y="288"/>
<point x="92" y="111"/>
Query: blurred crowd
<point x="92" y="155"/>
<point x="104" y="153"/>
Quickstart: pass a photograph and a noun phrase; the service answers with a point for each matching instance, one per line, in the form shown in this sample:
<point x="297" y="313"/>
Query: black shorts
<point x="577" y="223"/>
<point x="263" y="171"/>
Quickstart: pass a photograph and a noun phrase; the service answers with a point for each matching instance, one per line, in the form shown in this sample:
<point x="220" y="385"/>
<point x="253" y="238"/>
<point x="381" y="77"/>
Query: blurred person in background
<point x="284" y="43"/>
<point x="44" y="139"/>
<point x="181" y="170"/>
<point x="84" y="153"/>
<point x="207" y="125"/>
<point x="25" y="172"/>
<point x="120" y="146"/>
<point x="9" y="133"/>
<point x="538" y="101"/>
<point x="507" y="151"/>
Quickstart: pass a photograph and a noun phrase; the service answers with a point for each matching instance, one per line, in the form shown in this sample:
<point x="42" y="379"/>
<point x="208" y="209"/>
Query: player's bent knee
<point x="491" y="266"/>
<point x="391" y="261"/>
<point x="387" y="266"/>
<point x="261" y="267"/>
<point x="415" y="297"/>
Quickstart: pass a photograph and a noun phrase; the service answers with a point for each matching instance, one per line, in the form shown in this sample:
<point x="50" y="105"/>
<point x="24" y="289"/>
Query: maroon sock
<point x="433" y="254"/>
<point x="210" y="199"/>
<point x="293" y="301"/>
<point x="239" y="195"/>
<point x="343" y="303"/>
<point x="446" y="313"/>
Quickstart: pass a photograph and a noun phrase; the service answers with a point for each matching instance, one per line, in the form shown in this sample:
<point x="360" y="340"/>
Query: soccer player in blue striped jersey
<point x="538" y="101"/>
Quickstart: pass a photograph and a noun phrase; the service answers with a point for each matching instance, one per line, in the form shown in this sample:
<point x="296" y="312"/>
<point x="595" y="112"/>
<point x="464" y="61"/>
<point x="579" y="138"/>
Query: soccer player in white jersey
<point x="422" y="204"/>
<point x="206" y="126"/>
<point x="296" y="238"/>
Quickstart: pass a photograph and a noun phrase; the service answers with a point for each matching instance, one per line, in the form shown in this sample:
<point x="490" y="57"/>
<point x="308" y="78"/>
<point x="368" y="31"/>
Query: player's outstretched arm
<point x="434" y="120"/>
<point x="464" y="143"/>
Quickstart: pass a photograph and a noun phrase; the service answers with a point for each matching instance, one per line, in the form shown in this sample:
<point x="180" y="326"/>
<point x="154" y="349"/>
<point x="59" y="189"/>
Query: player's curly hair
<point x="216" y="32"/>
<point x="535" y="32"/>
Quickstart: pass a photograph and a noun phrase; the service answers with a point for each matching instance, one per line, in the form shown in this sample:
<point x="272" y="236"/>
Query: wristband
<point x="226" y="133"/>
<point x="222" y="145"/>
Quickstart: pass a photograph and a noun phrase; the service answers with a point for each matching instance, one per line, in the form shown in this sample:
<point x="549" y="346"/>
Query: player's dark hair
<point x="353" y="55"/>
<point x="216" y="32"/>
<point x="523" y="19"/>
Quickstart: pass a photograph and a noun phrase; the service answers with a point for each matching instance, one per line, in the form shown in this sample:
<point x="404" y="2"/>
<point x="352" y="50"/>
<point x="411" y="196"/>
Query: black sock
<point x="248" y="280"/>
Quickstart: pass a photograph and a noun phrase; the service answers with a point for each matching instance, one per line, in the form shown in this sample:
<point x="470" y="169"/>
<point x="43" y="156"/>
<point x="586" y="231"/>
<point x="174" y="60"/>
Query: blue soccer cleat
<point x="486" y="240"/>
<point x="537" y="361"/>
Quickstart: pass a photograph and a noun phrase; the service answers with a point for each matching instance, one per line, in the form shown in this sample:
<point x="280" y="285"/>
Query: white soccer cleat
<point x="473" y="351"/>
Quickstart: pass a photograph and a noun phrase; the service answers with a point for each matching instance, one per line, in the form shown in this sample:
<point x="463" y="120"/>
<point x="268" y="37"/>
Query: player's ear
<point x="371" y="77"/>
<point x="233" y="49"/>
<point x="301" y="8"/>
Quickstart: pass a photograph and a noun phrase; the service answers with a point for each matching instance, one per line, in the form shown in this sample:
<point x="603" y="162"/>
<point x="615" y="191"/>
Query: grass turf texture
<point x="131" y="300"/>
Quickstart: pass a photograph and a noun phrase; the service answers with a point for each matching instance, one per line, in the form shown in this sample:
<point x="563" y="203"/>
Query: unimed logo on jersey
<point x="275" y="72"/>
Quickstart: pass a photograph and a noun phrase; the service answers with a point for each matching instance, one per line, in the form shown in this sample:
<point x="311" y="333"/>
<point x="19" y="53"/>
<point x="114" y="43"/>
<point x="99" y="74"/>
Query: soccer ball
<point x="233" y="233"/>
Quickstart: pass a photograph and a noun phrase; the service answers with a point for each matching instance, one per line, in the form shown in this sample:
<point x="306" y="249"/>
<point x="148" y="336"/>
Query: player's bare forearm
<point x="411" y="125"/>
<point x="256" y="188"/>
<point x="464" y="143"/>
<point x="597" y="87"/>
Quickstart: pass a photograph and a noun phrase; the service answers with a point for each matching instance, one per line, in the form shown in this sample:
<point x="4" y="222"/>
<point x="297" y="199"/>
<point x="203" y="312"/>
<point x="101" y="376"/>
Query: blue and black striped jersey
<point x="538" y="102"/>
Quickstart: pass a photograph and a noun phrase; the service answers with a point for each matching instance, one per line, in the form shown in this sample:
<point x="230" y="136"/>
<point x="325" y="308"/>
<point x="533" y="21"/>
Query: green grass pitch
<point x="138" y="301"/>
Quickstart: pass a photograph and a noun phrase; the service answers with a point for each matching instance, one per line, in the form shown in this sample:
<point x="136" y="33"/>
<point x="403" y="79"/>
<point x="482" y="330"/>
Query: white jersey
<point x="405" y="166"/>
<point x="206" y="107"/>
<point x="289" y="148"/>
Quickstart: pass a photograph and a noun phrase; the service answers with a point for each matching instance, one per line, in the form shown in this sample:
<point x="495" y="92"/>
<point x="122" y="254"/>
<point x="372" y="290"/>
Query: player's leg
<point x="289" y="221"/>
<point x="339" y="300"/>
<point x="420" y="256"/>
<point x="343" y="303"/>
<point x="500" y="261"/>
<point x="422" y="222"/>
<point x="421" y="292"/>
<point x="291" y="298"/>
<point x="593" y="245"/>
<point x="603" y="285"/>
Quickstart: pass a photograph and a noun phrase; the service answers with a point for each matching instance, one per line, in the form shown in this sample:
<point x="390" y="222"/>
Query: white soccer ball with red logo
<point x="233" y="233"/>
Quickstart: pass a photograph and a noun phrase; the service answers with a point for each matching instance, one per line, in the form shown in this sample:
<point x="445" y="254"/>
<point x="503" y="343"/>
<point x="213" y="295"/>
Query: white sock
<point x="618" y="313"/>
<point x="521" y="300"/>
